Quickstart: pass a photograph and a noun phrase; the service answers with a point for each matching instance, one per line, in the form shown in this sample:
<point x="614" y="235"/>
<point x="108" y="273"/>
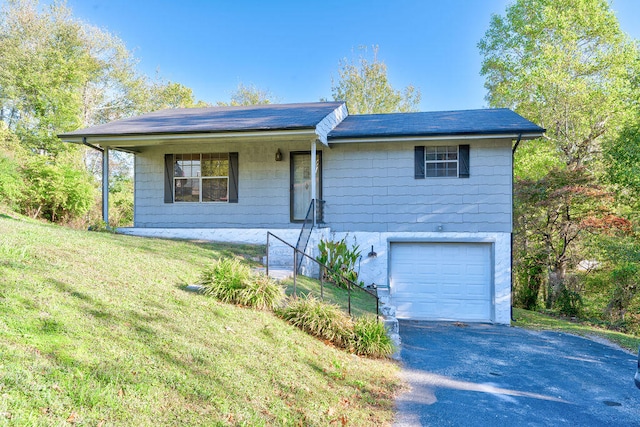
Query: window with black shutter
<point x="441" y="161"/>
<point x="201" y="177"/>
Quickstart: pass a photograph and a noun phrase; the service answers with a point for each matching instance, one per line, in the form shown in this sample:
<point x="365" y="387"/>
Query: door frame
<point x="292" y="154"/>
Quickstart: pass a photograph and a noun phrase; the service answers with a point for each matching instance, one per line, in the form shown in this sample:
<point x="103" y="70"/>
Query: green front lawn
<point x="97" y="329"/>
<point x="534" y="320"/>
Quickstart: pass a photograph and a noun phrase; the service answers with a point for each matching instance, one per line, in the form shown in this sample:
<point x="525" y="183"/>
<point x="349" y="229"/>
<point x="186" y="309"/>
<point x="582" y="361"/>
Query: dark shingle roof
<point x="437" y="123"/>
<point x="216" y="119"/>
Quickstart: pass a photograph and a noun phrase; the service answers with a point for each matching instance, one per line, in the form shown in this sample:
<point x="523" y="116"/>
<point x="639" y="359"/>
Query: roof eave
<point x="439" y="137"/>
<point x="146" y="139"/>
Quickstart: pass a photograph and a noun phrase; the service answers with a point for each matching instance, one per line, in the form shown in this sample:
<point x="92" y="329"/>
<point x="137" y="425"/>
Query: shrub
<point x="56" y="190"/>
<point x="225" y="279"/>
<point x="530" y="273"/>
<point x="12" y="185"/>
<point x="11" y="182"/>
<point x="261" y="292"/>
<point x="340" y="260"/>
<point x="231" y="281"/>
<point x="371" y="338"/>
<point x="625" y="278"/>
<point x="100" y="226"/>
<point x="322" y="320"/>
<point x="568" y="302"/>
<point x="121" y="201"/>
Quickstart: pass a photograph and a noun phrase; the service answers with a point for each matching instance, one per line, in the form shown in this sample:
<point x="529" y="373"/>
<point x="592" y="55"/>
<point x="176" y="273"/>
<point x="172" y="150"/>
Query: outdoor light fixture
<point x="372" y="254"/>
<point x="278" y="156"/>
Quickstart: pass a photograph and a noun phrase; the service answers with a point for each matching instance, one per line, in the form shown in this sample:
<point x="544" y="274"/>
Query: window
<point x="207" y="177"/>
<point x="201" y="177"/>
<point x="442" y="161"/>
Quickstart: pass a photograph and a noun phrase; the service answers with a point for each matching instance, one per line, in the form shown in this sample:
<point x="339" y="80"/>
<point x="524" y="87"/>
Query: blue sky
<point x="293" y="48"/>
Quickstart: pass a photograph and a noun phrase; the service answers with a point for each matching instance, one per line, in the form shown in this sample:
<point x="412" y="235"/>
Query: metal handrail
<point x="350" y="283"/>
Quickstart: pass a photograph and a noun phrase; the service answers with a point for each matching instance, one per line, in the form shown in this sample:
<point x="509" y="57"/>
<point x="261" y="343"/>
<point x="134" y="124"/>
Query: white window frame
<point x="441" y="161"/>
<point x="200" y="179"/>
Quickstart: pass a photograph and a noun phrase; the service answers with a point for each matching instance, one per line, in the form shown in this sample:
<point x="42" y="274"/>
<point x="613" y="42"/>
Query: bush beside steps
<point x="365" y="336"/>
<point x="230" y="281"/>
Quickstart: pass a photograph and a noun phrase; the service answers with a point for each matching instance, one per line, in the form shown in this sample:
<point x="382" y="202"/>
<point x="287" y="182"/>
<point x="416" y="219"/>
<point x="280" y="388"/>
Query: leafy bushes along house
<point x="429" y="192"/>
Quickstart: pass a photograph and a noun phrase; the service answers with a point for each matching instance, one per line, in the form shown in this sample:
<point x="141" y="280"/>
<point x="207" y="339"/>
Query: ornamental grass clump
<point x="230" y="281"/>
<point x="261" y="292"/>
<point x="371" y="338"/>
<point x="322" y="320"/>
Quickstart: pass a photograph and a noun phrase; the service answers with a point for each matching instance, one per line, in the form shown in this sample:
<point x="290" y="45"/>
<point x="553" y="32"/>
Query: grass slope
<point x="96" y="329"/>
<point x="534" y="320"/>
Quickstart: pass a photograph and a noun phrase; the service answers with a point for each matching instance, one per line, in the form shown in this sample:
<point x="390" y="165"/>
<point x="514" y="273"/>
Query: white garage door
<point x="445" y="281"/>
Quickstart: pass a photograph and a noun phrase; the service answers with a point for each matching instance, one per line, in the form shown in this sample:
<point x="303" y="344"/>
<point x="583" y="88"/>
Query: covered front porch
<point x="223" y="167"/>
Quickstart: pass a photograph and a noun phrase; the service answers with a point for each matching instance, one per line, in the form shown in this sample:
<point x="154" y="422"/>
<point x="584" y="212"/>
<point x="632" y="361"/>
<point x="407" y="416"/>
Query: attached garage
<point x="442" y="280"/>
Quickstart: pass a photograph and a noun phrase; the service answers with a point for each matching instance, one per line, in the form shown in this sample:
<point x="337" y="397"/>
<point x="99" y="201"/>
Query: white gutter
<point x="435" y="138"/>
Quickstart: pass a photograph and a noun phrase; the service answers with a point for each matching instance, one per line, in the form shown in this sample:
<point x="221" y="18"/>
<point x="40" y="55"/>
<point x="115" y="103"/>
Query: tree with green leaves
<point x="365" y="87"/>
<point x="566" y="65"/>
<point x="248" y="95"/>
<point x="44" y="65"/>
<point x="58" y="74"/>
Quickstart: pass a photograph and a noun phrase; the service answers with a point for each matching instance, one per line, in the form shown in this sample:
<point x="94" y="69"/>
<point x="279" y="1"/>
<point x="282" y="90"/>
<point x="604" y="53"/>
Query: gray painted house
<point x="430" y="192"/>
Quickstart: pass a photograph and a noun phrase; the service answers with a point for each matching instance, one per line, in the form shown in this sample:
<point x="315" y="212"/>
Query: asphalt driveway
<point x="487" y="375"/>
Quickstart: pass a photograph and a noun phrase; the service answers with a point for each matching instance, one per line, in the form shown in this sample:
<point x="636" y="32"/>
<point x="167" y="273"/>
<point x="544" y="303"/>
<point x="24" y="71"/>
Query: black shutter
<point x="419" y="162"/>
<point x="168" y="178"/>
<point x="233" y="177"/>
<point x="463" y="161"/>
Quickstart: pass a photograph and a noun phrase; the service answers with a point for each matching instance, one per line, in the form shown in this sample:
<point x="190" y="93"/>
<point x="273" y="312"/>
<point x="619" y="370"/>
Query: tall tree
<point x="44" y="64"/>
<point x="58" y="74"/>
<point x="566" y="65"/>
<point x="563" y="64"/>
<point x="248" y="95"/>
<point x="365" y="87"/>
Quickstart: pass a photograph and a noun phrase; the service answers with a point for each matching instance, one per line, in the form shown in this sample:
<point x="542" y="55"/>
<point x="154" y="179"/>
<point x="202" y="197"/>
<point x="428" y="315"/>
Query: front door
<point x="301" y="183"/>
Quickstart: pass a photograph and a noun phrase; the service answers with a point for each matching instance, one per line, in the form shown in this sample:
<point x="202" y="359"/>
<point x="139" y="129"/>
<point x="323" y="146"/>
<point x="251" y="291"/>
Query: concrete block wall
<point x="366" y="187"/>
<point x="263" y="188"/>
<point x="371" y="187"/>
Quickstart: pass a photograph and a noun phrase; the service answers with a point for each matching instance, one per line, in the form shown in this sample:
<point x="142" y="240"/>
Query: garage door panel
<point x="415" y="307"/>
<point x="476" y="270"/>
<point x="441" y="280"/>
<point x="406" y="291"/>
<point x="476" y="290"/>
<point x="452" y="292"/>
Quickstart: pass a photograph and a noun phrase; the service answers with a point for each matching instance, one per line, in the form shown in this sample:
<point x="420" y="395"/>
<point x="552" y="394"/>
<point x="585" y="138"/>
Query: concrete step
<point x="278" y="273"/>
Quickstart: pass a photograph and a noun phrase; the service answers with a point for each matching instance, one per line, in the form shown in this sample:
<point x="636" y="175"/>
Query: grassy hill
<point x="97" y="329"/>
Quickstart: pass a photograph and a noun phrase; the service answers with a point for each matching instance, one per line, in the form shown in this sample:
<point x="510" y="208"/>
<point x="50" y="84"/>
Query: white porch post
<point x="105" y="185"/>
<point x="313" y="180"/>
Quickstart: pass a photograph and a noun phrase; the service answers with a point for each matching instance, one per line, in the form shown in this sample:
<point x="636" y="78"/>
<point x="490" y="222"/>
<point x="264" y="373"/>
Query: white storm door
<point x="301" y="183"/>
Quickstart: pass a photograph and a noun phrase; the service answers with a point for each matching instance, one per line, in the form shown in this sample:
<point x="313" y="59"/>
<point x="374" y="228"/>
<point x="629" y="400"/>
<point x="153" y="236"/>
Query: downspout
<point x="513" y="154"/>
<point x="95" y="147"/>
